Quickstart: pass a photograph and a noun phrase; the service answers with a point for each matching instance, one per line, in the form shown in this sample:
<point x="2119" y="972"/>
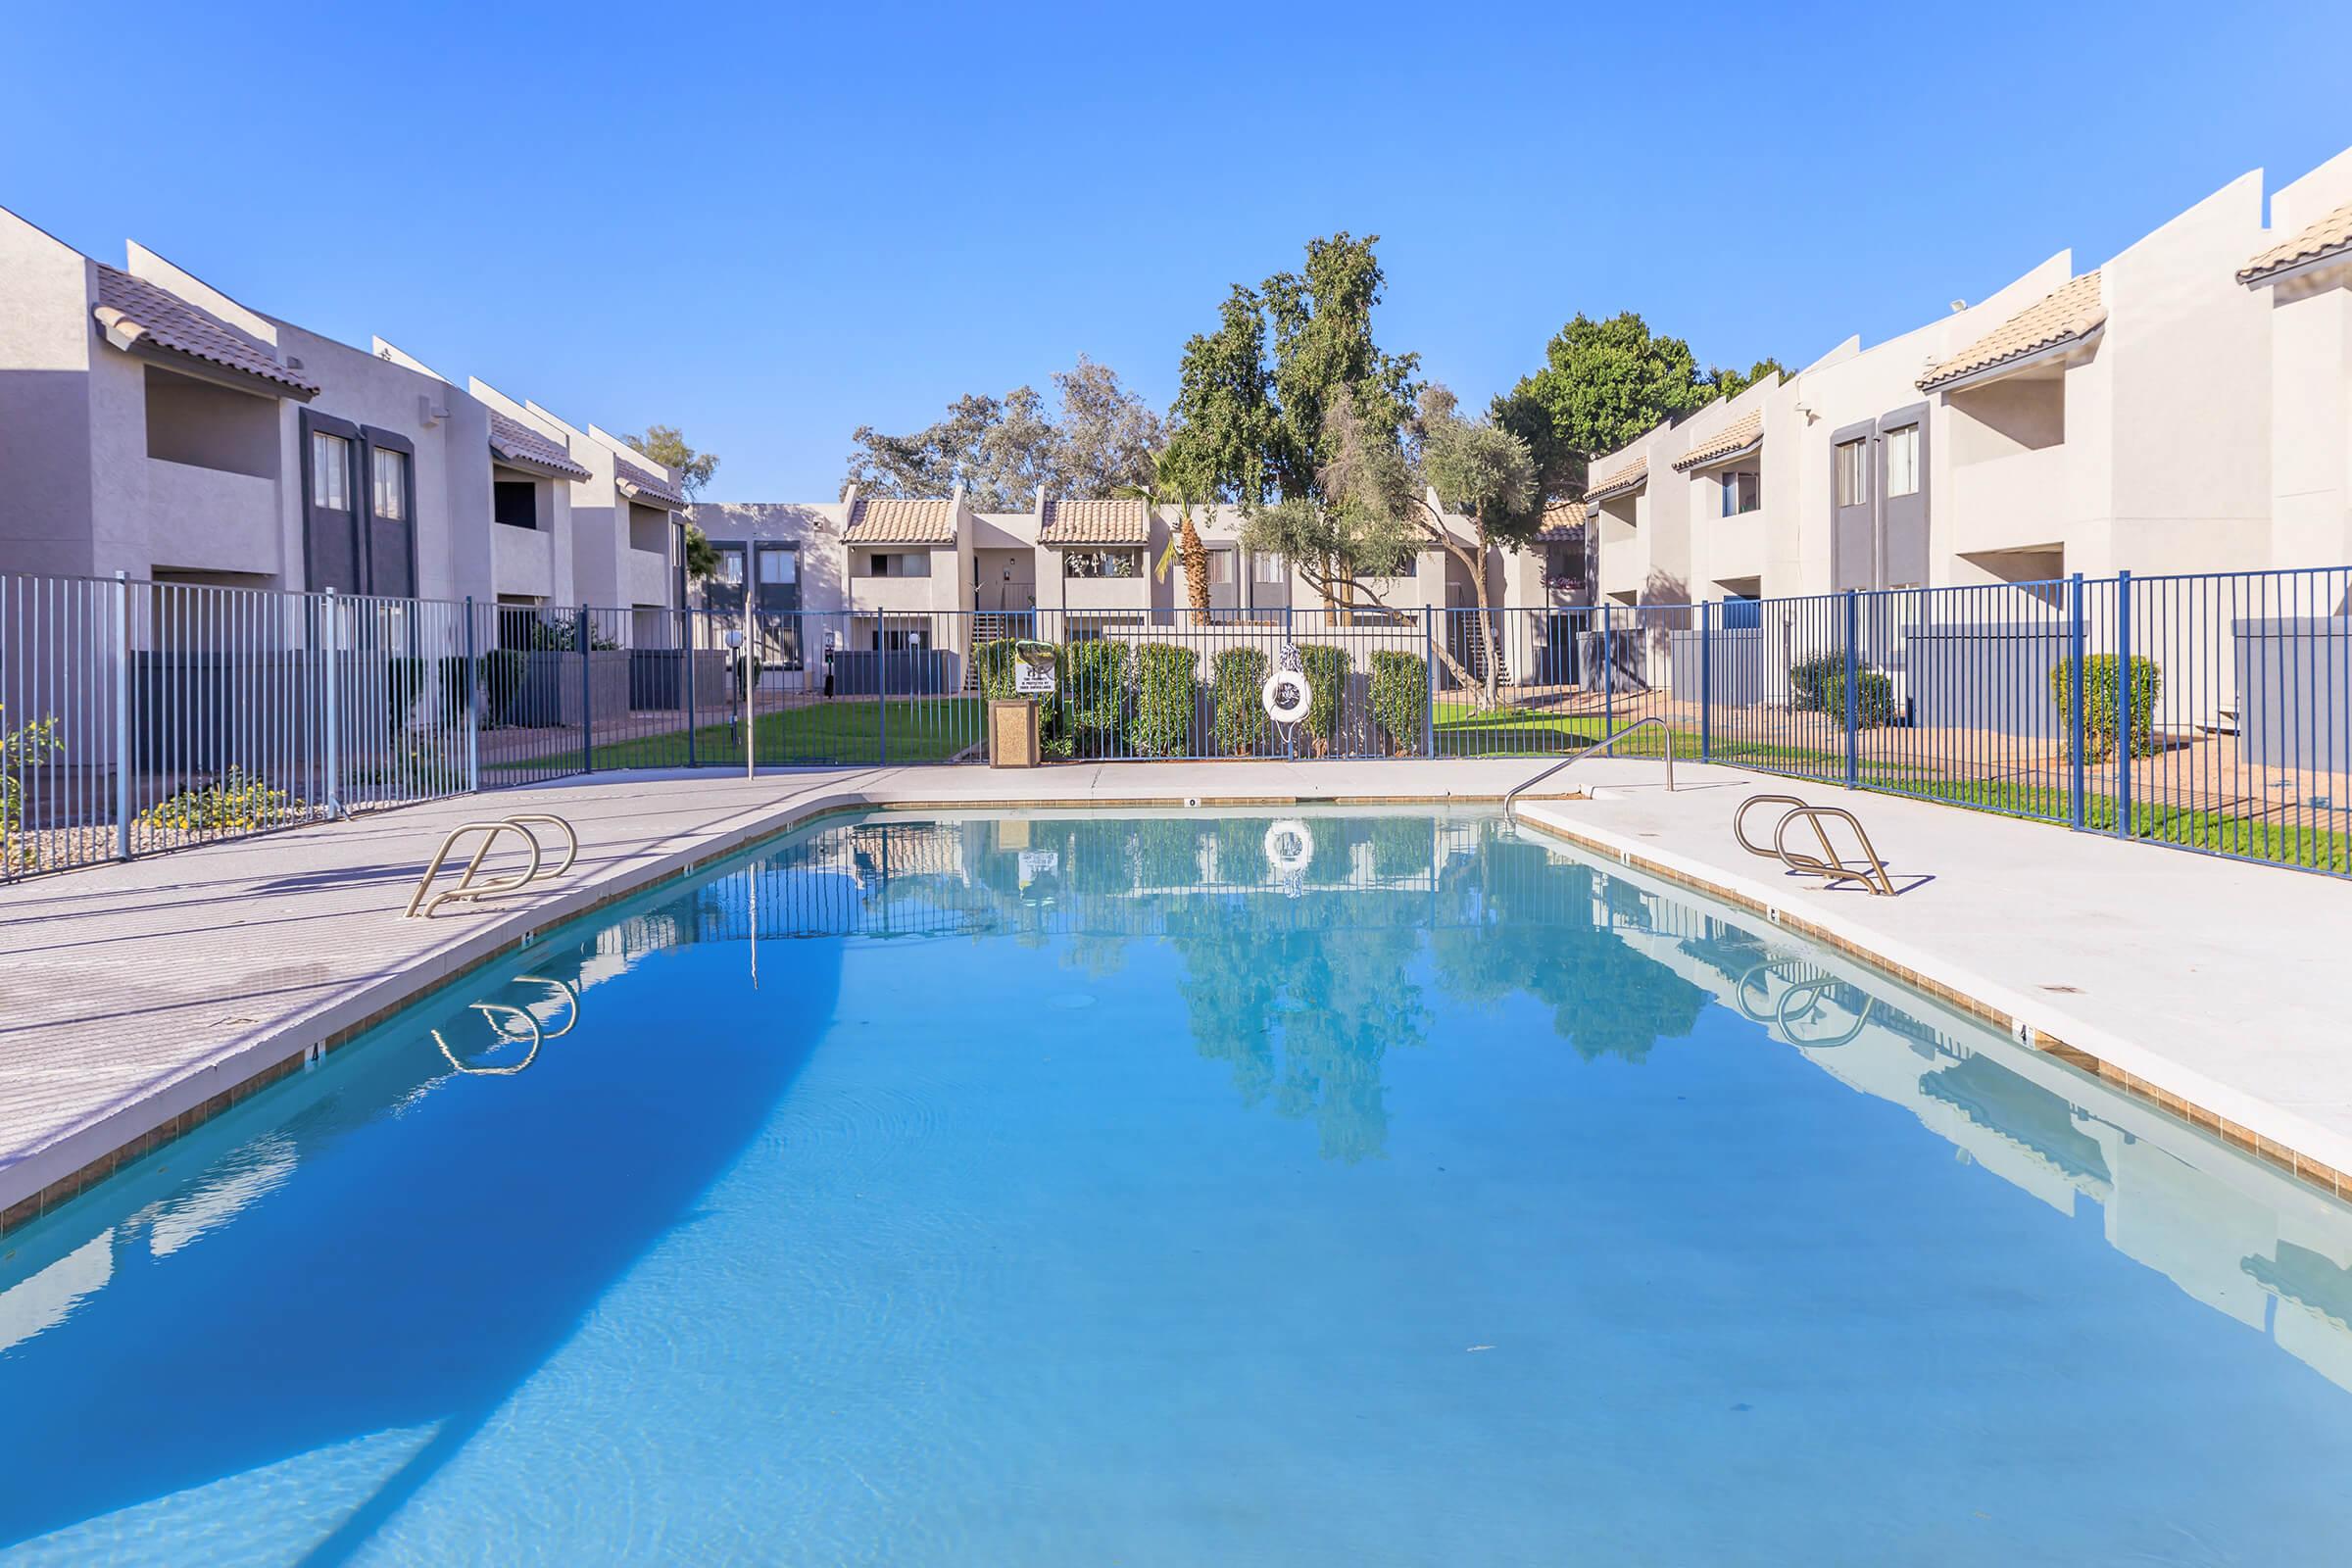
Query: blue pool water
<point x="1083" y="1191"/>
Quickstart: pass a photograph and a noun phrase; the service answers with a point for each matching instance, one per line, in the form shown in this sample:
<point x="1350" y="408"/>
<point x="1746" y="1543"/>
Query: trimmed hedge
<point x="1809" y="683"/>
<point x="1873" y="701"/>
<point x="2099" y="717"/>
<point x="1093" y="688"/>
<point x="1162" y="722"/>
<point x="1327" y="676"/>
<point x="1400" y="698"/>
<point x="1238" y="681"/>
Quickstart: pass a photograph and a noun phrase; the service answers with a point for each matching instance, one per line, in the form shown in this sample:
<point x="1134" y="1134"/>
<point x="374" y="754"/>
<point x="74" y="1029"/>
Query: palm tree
<point x="1173" y="483"/>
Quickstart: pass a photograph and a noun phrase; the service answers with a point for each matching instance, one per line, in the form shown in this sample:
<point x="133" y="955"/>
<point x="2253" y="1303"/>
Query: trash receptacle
<point x="1012" y="732"/>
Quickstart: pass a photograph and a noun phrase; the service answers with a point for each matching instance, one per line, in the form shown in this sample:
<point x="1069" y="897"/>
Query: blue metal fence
<point x="2207" y="712"/>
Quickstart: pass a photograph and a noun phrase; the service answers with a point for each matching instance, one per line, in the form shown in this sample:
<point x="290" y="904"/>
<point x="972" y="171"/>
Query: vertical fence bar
<point x="745" y="679"/>
<point x="580" y="635"/>
<point x="473" y="710"/>
<point x="1853" y="681"/>
<point x="1429" y="673"/>
<point x="2073" y="702"/>
<point x="328" y="638"/>
<point x="882" y="688"/>
<point x="1608" y="673"/>
<point x="2122" y="703"/>
<point x="687" y="636"/>
<point x="121" y="716"/>
<point x="1706" y="682"/>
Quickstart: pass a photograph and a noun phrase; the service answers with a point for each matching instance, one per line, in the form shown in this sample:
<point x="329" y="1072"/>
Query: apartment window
<point x="784" y="566"/>
<point x="331" y="471"/>
<point x="1101" y="564"/>
<point x="515" y="503"/>
<point x="911" y="564"/>
<point x="1903" y="461"/>
<point x="1220" y="568"/>
<point x="1853" y="472"/>
<point x="391" y="485"/>
<point x="730" y="566"/>
<point x="1268" y="568"/>
<point x="1742" y="493"/>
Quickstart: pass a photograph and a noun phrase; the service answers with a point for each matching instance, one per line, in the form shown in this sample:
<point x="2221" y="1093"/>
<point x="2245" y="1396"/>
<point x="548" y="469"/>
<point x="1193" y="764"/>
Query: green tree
<point x="665" y="445"/>
<point x="1476" y="470"/>
<point x="1178" y="479"/>
<point x="1283" y="398"/>
<point x="1001" y="450"/>
<point x="1602" y="384"/>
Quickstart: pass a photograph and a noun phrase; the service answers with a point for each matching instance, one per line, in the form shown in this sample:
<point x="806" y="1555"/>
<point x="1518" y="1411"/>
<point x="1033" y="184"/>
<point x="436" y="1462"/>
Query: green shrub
<point x="1091" y="695"/>
<point x="993" y="662"/>
<point x="996" y="661"/>
<point x="1162" y="722"/>
<point x="1809" y="683"/>
<point x="1327" y="676"/>
<point x="2099" y="715"/>
<point x="236" y="803"/>
<point x="1238" y="683"/>
<point x="26" y="746"/>
<point x="1874" y="700"/>
<point x="1400" y="698"/>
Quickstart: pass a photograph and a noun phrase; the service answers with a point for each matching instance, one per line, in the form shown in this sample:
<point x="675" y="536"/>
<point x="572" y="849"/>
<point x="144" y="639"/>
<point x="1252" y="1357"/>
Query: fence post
<point x="2074" y="698"/>
<point x="1608" y="674"/>
<point x="587" y="697"/>
<point x="473" y="710"/>
<point x="1706" y="679"/>
<point x="1853" y="673"/>
<point x="746" y="678"/>
<point x="1428" y="676"/>
<point x="882" y="688"/>
<point x="2122" y="703"/>
<point x="692" y="713"/>
<point x="121" y="716"/>
<point x="327" y="663"/>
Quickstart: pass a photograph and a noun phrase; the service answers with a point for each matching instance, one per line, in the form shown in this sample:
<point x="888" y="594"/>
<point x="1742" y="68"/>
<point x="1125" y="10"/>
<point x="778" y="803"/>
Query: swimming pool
<point x="1367" y="1188"/>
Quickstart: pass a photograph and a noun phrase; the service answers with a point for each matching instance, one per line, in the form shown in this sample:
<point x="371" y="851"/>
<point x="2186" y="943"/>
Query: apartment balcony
<point x="895" y="594"/>
<point x="1127" y="595"/>
<point x="646" y="577"/>
<point x="212" y="520"/>
<point x="522" y="560"/>
<point x="2008" y="502"/>
<point x="1732" y="548"/>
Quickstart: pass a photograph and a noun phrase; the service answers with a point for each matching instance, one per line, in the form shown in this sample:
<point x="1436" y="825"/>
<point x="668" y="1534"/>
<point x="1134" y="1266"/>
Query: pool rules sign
<point x="1033" y="670"/>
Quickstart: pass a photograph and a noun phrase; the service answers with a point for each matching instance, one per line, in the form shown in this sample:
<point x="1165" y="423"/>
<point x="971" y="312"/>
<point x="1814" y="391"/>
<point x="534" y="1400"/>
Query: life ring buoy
<point x="1289" y="846"/>
<point x="1287" y="696"/>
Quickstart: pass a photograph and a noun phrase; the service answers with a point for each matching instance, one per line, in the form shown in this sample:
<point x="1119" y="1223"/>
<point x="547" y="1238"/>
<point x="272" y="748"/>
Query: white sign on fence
<point x="1032" y="672"/>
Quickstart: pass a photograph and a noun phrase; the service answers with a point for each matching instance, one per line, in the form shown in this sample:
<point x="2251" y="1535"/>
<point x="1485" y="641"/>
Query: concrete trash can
<point x="1012" y="732"/>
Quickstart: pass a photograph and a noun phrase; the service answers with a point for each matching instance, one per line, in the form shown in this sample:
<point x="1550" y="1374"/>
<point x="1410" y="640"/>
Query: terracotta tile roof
<point x="2332" y="235"/>
<point x="637" y="484"/>
<point x="1625" y="476"/>
<point x="1563" y="523"/>
<point x="1740" y="433"/>
<point x="893" y="520"/>
<point x="2068" y="315"/>
<point x="1094" y="522"/>
<point x="133" y="308"/>
<point x="519" y="443"/>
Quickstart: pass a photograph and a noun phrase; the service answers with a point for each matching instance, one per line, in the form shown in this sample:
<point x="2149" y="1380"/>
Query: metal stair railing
<point x="1605" y="742"/>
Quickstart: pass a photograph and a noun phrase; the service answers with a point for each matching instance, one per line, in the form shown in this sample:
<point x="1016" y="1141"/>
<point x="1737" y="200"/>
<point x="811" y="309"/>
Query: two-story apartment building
<point x="2178" y="409"/>
<point x="154" y="426"/>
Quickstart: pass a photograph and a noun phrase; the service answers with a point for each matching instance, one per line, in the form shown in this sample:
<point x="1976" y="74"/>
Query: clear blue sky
<point x="772" y="223"/>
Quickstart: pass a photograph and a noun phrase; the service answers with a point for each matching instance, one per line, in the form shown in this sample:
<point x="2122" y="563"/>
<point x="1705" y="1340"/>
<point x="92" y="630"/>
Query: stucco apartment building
<point x="153" y="425"/>
<point x="2185" y="406"/>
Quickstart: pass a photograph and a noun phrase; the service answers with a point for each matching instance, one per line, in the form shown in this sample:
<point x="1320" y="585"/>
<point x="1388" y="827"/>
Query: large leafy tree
<point x="1602" y="384"/>
<point x="1000" y="450"/>
<point x="666" y="445"/>
<point x="1479" y="471"/>
<point x="1277" y="403"/>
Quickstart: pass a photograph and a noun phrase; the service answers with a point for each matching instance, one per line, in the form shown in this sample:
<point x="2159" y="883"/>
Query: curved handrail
<point x="465" y="887"/>
<point x="1872" y="875"/>
<point x="1740" y="819"/>
<point x="486" y="1009"/>
<point x="1606" y="741"/>
<point x="563" y="988"/>
<point x="1805" y="991"/>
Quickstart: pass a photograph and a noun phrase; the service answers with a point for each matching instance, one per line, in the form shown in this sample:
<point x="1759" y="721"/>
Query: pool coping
<point x="85" y="1154"/>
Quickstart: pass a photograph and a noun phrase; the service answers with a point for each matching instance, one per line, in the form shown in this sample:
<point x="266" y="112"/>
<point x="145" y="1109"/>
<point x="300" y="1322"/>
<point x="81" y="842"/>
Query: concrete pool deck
<point x="140" y="999"/>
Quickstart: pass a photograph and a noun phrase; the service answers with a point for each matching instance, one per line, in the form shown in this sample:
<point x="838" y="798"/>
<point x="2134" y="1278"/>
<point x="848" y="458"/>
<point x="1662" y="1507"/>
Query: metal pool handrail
<point x="1830" y="864"/>
<point x="466" y="888"/>
<point x="1511" y="799"/>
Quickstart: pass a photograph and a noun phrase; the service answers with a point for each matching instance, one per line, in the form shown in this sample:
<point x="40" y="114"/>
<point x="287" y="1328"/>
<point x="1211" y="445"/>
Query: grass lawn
<point x="931" y="730"/>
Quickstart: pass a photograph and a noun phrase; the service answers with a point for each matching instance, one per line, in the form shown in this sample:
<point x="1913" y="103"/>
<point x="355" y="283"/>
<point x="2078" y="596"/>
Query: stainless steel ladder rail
<point x="1606" y="741"/>
<point x="466" y="888"/>
<point x="1828" y="864"/>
